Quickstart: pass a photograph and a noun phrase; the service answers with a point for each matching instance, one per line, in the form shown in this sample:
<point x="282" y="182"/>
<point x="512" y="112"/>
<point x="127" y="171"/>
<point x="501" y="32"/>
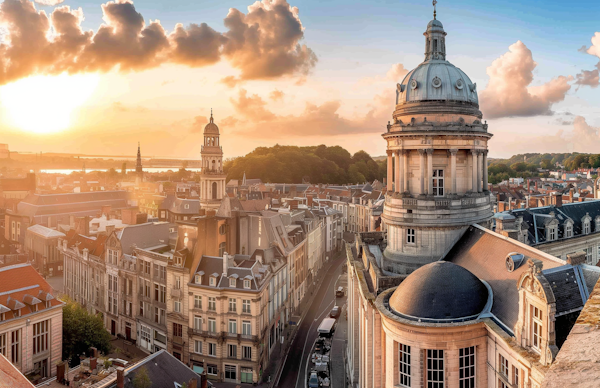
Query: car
<point x="313" y="380"/>
<point x="339" y="293"/>
<point x="335" y="312"/>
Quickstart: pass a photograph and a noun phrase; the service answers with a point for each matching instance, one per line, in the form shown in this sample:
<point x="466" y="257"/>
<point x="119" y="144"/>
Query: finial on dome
<point x="434" y="12"/>
<point x="211" y="118"/>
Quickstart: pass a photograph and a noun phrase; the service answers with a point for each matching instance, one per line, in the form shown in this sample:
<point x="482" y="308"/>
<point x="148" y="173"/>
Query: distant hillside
<point x="314" y="164"/>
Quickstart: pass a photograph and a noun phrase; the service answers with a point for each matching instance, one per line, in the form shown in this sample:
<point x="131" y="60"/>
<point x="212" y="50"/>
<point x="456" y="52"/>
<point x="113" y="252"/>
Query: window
<point x="221" y="249"/>
<point x="177" y="306"/>
<point x="197" y="323"/>
<point x="246" y="328"/>
<point x="230" y="372"/>
<point x="15" y="346"/>
<point x="147" y="267"/>
<point x="435" y="368"/>
<point x="232" y="282"/>
<point x="438" y="183"/>
<point x="246" y="283"/>
<point x="178" y="282"/>
<point x="197" y="279"/>
<point x="163" y="272"/>
<point x="551" y="234"/>
<point x="212" y="325"/>
<point x="156" y="292"/>
<point x="212" y="351"/>
<point x="177" y="330"/>
<point x="146" y="334"/>
<point x="503" y="365"/>
<point x="3" y="344"/>
<point x="162" y="295"/>
<point x="569" y="230"/>
<point x="586" y="227"/>
<point x="246" y="306"/>
<point x="212" y="281"/>
<point x="141" y="308"/>
<point x="198" y="302"/>
<point x="198" y="347"/>
<point x="212" y="303"/>
<point x="588" y="255"/>
<point x="410" y="236"/>
<point x="232" y="326"/>
<point x="247" y="352"/>
<point x="232" y="351"/>
<point x="404" y="369"/>
<point x="223" y="229"/>
<point x="232" y="305"/>
<point x="536" y="328"/>
<point x="515" y="380"/>
<point x="466" y="375"/>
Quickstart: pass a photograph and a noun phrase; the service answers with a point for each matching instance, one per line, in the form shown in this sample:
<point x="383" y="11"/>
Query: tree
<point x="81" y="331"/>
<point x="141" y="379"/>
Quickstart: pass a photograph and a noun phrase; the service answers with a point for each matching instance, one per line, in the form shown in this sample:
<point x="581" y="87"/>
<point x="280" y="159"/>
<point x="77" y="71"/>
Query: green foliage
<point x="107" y="364"/>
<point x="141" y="379"/>
<point x="320" y="164"/>
<point x="81" y="331"/>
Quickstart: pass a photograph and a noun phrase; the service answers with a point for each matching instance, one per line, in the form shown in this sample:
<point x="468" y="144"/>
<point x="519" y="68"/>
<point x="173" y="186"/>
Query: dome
<point x="437" y="80"/>
<point x="211" y="128"/>
<point x="440" y="290"/>
<point x="435" y="24"/>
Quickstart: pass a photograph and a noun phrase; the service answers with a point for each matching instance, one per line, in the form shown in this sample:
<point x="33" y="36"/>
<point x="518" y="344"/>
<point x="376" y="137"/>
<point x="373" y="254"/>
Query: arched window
<point x="221" y="249"/>
<point x="214" y="191"/>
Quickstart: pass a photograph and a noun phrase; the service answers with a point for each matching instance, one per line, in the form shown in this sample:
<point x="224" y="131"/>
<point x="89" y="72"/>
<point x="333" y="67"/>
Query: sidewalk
<point x="338" y="347"/>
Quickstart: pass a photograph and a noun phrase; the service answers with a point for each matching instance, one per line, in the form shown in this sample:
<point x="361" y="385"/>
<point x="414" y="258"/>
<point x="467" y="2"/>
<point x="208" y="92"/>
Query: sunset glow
<point x="45" y="104"/>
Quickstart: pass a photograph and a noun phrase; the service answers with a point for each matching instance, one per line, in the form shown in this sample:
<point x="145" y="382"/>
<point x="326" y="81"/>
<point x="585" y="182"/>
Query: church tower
<point x="139" y="172"/>
<point x="212" y="177"/>
<point x="437" y="182"/>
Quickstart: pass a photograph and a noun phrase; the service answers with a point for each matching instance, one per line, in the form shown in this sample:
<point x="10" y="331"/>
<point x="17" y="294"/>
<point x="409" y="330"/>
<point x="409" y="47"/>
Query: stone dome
<point x="211" y="128"/>
<point x="435" y="25"/>
<point x="440" y="291"/>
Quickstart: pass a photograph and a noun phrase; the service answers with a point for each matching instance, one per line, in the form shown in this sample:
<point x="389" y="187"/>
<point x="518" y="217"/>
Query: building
<point x="212" y="177"/>
<point x="41" y="244"/>
<point x="440" y="300"/>
<point x="557" y="230"/>
<point x="30" y="322"/>
<point x="139" y="170"/>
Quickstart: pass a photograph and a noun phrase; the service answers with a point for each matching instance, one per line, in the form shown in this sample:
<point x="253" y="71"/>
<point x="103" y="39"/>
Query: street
<point x="294" y="370"/>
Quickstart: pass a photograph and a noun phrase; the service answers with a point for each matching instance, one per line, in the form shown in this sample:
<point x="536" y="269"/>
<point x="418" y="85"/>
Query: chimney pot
<point x="120" y="377"/>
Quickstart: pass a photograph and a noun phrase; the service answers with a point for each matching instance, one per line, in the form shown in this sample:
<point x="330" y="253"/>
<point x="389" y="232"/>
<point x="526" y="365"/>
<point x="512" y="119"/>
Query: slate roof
<point x="484" y="253"/>
<point x="178" y="206"/>
<point x="163" y="369"/>
<point x="94" y="245"/>
<point x="143" y="236"/>
<point x="243" y="268"/>
<point x="37" y="205"/>
<point x="571" y="286"/>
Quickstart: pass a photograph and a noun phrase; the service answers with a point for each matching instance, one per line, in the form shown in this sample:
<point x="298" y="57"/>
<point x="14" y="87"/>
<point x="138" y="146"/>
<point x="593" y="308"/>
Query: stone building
<point x="440" y="300"/>
<point x="212" y="177"/>
<point x="41" y="244"/>
<point x="30" y="322"/>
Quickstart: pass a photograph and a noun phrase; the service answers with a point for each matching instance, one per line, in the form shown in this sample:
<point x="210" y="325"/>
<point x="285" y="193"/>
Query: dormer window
<point x="212" y="281"/>
<point x="197" y="279"/>
<point x="586" y="227"/>
<point x="568" y="230"/>
<point x="232" y="282"/>
<point x="186" y="206"/>
<point x="597" y="223"/>
<point x="536" y="328"/>
<point x="246" y="283"/>
<point x="551" y="234"/>
<point x="178" y="261"/>
<point x="17" y="313"/>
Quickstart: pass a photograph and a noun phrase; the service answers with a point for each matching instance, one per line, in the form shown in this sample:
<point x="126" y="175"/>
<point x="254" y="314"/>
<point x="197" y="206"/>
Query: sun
<point x="44" y="104"/>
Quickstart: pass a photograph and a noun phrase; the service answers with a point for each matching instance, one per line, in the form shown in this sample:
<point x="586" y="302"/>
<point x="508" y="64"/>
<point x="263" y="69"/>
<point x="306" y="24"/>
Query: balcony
<point x="203" y="333"/>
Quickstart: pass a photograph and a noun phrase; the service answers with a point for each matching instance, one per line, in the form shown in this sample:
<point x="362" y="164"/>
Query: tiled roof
<point x="21" y="285"/>
<point x="94" y="245"/>
<point x="10" y="375"/>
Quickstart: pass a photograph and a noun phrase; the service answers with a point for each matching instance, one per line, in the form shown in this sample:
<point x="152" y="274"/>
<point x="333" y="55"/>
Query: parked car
<point x="313" y="380"/>
<point x="335" y="312"/>
<point x="339" y="293"/>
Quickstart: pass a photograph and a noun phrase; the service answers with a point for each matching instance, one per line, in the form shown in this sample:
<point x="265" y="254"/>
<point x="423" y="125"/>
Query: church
<point x="438" y="300"/>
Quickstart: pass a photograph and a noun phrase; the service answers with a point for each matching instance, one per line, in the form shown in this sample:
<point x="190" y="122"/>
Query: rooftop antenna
<point x="434" y="12"/>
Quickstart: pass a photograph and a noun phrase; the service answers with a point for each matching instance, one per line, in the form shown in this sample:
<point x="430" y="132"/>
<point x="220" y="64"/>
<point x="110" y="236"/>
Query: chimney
<point x="193" y="383"/>
<point x="536" y="185"/>
<point x="576" y="258"/>
<point x="558" y="200"/>
<point x="571" y="194"/>
<point x="93" y="352"/>
<point x="109" y="229"/>
<point x="93" y="363"/>
<point x="203" y="380"/>
<point x="225" y="263"/>
<point x="528" y="185"/>
<point x="60" y="371"/>
<point x="120" y="377"/>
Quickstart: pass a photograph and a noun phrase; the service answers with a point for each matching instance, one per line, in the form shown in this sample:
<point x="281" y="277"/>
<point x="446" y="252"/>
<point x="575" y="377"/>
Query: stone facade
<point x="212" y="177"/>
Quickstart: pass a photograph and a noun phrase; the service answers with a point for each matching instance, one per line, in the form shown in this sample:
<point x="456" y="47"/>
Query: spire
<point x="211" y="118"/>
<point x="138" y="164"/>
<point x="244" y="179"/>
<point x="434" y="10"/>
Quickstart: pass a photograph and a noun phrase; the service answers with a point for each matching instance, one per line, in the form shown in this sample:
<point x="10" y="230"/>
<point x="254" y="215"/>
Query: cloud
<point x="397" y="72"/>
<point x="315" y="120"/>
<point x="276" y="95"/>
<point x="583" y="137"/>
<point x="230" y="81"/>
<point x="509" y="93"/>
<point x="589" y="78"/>
<point x="49" y="2"/>
<point x="594" y="49"/>
<point x="264" y="44"/>
<point x="199" y="124"/>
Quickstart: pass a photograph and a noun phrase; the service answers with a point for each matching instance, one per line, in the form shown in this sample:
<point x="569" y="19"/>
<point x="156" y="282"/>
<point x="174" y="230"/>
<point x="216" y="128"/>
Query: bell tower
<point x="212" y="177"/>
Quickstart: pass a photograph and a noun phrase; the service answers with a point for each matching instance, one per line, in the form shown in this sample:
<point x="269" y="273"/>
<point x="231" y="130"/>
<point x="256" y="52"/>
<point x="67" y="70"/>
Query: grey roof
<point x="178" y="206"/>
<point x="569" y="289"/>
<point x="43" y="231"/>
<point x="243" y="268"/>
<point x="440" y="290"/>
<point x="144" y="236"/>
<point x="163" y="369"/>
<point x="37" y="205"/>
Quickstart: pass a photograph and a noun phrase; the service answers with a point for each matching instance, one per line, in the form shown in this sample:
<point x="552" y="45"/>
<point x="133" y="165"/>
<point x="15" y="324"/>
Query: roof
<point x="571" y="286"/>
<point x="43" y="231"/>
<point x="21" y="287"/>
<point x="440" y="290"/>
<point x="94" y="245"/>
<point x="18" y="184"/>
<point x="37" y="205"/>
<point x="240" y="268"/>
<point x="484" y="254"/>
<point x="143" y="236"/>
<point x="185" y="206"/>
<point x="10" y="375"/>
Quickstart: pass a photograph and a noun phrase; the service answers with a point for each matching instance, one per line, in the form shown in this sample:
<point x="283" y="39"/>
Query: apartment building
<point x="41" y="244"/>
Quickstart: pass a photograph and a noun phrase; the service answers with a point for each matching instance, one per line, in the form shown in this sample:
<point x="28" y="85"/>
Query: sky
<point x="93" y="77"/>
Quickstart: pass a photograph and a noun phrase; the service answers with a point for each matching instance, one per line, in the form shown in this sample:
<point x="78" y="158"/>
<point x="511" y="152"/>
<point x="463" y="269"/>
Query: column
<point x="430" y="171"/>
<point x="401" y="173"/>
<point x="452" y="153"/>
<point x="389" y="171"/>
<point x="485" y="171"/>
<point x="479" y="170"/>
<point x="397" y="175"/>
<point x="474" y="169"/>
<point x="405" y="169"/>
<point x="422" y="176"/>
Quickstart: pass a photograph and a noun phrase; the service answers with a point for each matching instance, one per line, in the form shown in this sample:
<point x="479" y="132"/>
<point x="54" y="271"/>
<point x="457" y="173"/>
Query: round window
<point x="223" y="229"/>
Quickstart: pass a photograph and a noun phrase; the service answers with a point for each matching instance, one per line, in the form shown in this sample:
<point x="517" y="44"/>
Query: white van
<point x="327" y="327"/>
